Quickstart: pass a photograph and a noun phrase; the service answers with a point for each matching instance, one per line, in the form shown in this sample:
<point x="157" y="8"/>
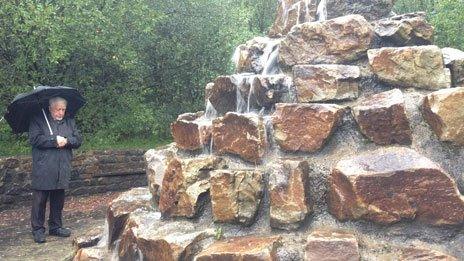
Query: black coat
<point x="51" y="166"/>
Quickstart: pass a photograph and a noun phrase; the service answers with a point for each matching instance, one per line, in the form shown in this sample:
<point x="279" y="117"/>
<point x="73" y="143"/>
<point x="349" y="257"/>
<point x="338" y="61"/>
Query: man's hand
<point x="61" y="141"/>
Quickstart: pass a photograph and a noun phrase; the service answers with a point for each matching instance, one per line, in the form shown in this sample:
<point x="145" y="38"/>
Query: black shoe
<point x="60" y="232"/>
<point x="39" y="236"/>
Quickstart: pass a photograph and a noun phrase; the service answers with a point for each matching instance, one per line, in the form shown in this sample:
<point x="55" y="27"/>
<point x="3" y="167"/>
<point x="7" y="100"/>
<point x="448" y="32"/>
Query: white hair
<point x="55" y="100"/>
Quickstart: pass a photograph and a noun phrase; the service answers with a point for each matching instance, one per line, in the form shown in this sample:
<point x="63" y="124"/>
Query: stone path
<point x="81" y="214"/>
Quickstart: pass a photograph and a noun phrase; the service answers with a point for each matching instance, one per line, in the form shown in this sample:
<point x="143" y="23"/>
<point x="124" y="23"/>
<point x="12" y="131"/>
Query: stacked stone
<point x="359" y="99"/>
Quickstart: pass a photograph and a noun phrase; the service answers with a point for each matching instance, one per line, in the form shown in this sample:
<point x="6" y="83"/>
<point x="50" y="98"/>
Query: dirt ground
<point x="81" y="214"/>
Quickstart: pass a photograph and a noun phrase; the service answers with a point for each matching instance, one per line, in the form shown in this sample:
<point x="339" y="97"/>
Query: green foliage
<point x="139" y="63"/>
<point x="447" y="16"/>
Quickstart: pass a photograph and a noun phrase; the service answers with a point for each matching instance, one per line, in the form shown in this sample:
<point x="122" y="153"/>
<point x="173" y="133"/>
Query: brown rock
<point x="267" y="90"/>
<point x="326" y="82"/>
<point x="327" y="245"/>
<point x="444" y="111"/>
<point x="191" y="133"/>
<point x="236" y="195"/>
<point x="304" y="127"/>
<point x="289" y="193"/>
<point x="156" y="162"/>
<point x="242" y="135"/>
<point x="412" y="66"/>
<point x="454" y="60"/>
<point x="371" y="10"/>
<point x="253" y="55"/>
<point x="91" y="254"/>
<point x="120" y="208"/>
<point x="388" y="185"/>
<point x="148" y="238"/>
<point x="242" y="248"/>
<point x="382" y="118"/>
<point x="290" y="13"/>
<point x="185" y="180"/>
<point x="222" y="94"/>
<point x="339" y="40"/>
<point x="406" y="29"/>
<point x="423" y="254"/>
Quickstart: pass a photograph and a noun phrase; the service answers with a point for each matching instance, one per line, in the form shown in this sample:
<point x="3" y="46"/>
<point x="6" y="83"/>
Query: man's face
<point x="57" y="110"/>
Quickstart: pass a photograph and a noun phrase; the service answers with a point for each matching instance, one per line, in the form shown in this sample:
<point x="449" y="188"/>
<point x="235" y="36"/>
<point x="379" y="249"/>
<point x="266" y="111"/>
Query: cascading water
<point x="322" y="11"/>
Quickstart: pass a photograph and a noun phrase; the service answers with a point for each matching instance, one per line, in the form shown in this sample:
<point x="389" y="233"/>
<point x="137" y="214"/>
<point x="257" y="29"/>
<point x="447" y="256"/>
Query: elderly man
<point x="51" y="167"/>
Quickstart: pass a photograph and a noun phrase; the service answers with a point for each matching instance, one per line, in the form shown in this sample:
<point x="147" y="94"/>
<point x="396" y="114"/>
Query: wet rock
<point x="406" y="29"/>
<point x="454" y="60"/>
<point x="339" y="40"/>
<point x="423" y="254"/>
<point x="91" y="254"/>
<point x="304" y="127"/>
<point x="239" y="134"/>
<point x="289" y="193"/>
<point x="120" y="208"/>
<point x="267" y="90"/>
<point x="222" y="94"/>
<point x="191" y="132"/>
<point x="290" y="13"/>
<point x="444" y="112"/>
<point x="156" y="162"/>
<point x="242" y="248"/>
<point x="185" y="180"/>
<point x="388" y="185"/>
<point x="382" y="118"/>
<point x="236" y="195"/>
<point x="412" y="66"/>
<point x="371" y="10"/>
<point x="89" y="239"/>
<point x="252" y="56"/>
<point x="146" y="237"/>
<point x="331" y="245"/>
<point x="326" y="82"/>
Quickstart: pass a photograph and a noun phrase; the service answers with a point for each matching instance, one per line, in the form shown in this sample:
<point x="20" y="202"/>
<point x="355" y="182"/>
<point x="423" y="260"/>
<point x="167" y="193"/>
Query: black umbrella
<point x="26" y="105"/>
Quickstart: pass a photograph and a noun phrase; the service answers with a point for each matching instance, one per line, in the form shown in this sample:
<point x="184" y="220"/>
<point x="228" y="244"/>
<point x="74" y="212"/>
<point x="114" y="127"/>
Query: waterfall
<point x="211" y="145"/>
<point x="271" y="65"/>
<point x="103" y="242"/>
<point x="236" y="56"/>
<point x="251" y="91"/>
<point x="322" y="11"/>
<point x="210" y="111"/>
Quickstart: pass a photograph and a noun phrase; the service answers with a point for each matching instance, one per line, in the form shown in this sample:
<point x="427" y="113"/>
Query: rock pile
<point x="337" y="139"/>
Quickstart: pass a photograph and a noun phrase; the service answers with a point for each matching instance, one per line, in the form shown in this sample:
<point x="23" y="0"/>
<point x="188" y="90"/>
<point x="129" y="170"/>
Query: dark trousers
<point x="39" y="203"/>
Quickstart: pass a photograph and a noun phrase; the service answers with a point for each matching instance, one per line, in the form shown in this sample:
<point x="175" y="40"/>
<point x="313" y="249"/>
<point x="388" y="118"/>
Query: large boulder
<point x="326" y="245"/>
<point x="222" y="94"/>
<point x="239" y="134"/>
<point x="147" y="237"/>
<point x="242" y="248"/>
<point x="289" y="193"/>
<point x="290" y="13"/>
<point x="382" y="118"/>
<point x="388" y="185"/>
<point x="156" y="162"/>
<point x="412" y="66"/>
<point x="191" y="133"/>
<point x="454" y="60"/>
<point x="339" y="40"/>
<point x="405" y="29"/>
<point x="185" y="180"/>
<point x="371" y="10"/>
<point x="326" y="82"/>
<point x="236" y="195"/>
<point x="122" y="206"/>
<point x="444" y="111"/>
<point x="304" y="127"/>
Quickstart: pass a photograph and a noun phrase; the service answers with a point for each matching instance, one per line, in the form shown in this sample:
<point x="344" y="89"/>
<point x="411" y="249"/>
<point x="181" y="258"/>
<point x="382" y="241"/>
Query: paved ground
<point x="81" y="214"/>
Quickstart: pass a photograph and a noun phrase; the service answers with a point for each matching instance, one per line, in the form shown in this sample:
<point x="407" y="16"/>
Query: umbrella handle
<point x="48" y="123"/>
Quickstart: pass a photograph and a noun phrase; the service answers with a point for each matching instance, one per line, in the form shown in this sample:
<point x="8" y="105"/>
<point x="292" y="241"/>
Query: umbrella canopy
<point x="26" y="105"/>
